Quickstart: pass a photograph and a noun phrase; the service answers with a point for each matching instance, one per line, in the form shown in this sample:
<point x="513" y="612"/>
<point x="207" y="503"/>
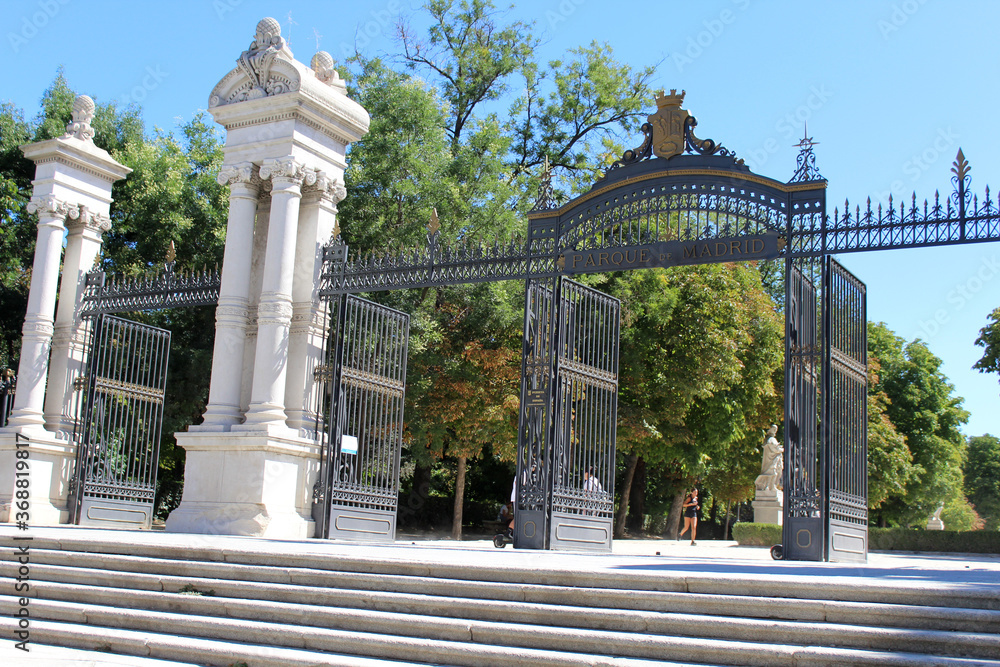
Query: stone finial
<point x="322" y="65"/>
<point x="83" y="113"/>
<point x="268" y="33"/>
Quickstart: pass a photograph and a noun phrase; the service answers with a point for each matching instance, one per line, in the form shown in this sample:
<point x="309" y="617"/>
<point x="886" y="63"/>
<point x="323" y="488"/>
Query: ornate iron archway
<point x="675" y="200"/>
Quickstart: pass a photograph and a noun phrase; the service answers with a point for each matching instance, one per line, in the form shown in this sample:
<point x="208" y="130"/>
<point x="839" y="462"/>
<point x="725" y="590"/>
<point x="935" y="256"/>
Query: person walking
<point x="690" y="509"/>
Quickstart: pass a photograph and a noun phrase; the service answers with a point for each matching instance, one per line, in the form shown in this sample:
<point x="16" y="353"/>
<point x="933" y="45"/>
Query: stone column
<point x="72" y="187"/>
<point x="232" y="312"/>
<point x="317" y="219"/>
<point x="274" y="314"/>
<point x="83" y="246"/>
<point x="39" y="318"/>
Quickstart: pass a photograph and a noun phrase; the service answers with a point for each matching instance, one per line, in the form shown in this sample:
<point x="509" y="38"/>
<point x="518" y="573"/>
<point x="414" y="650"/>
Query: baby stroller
<point x="504" y="535"/>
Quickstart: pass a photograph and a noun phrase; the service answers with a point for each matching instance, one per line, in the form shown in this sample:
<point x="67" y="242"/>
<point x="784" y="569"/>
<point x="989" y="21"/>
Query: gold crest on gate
<point x="668" y="124"/>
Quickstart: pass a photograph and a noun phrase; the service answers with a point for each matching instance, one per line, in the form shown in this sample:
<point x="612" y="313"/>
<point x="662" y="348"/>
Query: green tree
<point x="989" y="338"/>
<point x="982" y="478"/>
<point x="890" y="463"/>
<point x="924" y="409"/>
<point x="700" y="347"/>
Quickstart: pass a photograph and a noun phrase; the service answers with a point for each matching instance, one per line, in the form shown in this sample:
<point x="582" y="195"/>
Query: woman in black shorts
<point x="690" y="508"/>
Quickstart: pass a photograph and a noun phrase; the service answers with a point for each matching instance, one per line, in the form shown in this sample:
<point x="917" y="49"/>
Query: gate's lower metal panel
<point x="803" y="537"/>
<point x="529" y="529"/>
<point x="581" y="533"/>
<point x="120" y="514"/>
<point x="362" y="525"/>
<point x="848" y="542"/>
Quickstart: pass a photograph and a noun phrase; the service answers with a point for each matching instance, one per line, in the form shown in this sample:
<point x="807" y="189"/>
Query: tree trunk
<point x="674" y="518"/>
<point x="413" y="514"/>
<point x="630" y="463"/>
<point x="637" y="503"/>
<point x="456" y="520"/>
<point x="725" y="531"/>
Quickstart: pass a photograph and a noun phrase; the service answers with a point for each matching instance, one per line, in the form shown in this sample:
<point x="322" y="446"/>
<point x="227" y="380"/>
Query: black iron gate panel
<point x="358" y="490"/>
<point x="8" y="385"/>
<point x="586" y="416"/>
<point x="802" y="533"/>
<point x="118" y="429"/>
<point x="533" y="481"/>
<point x="845" y="413"/>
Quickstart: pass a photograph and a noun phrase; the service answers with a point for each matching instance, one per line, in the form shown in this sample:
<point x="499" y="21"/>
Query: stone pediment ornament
<point x="83" y="114"/>
<point x="265" y="67"/>
<point x="322" y="65"/>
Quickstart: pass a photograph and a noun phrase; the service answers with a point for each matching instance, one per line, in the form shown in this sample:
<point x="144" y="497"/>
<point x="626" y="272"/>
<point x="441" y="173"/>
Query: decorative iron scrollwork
<point x="643" y="152"/>
<point x="704" y="146"/>
<point x="805" y="164"/>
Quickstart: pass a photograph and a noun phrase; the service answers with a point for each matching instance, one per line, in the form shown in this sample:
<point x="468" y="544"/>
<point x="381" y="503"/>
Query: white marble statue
<point x="772" y="466"/>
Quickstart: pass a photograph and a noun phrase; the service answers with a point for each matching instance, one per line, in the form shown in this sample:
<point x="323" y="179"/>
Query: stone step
<point x="395" y="593"/>
<point x="500" y="644"/>
<point x="436" y="616"/>
<point x="458" y="607"/>
<point x="421" y="576"/>
<point x="264" y="644"/>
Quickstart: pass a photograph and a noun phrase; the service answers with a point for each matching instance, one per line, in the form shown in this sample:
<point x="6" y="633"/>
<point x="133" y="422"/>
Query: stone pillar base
<point x="767" y="507"/>
<point x="50" y="464"/>
<point x="250" y="483"/>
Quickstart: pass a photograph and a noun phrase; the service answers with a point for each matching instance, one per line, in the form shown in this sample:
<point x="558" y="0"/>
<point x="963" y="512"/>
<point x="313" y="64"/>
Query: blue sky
<point x="890" y="90"/>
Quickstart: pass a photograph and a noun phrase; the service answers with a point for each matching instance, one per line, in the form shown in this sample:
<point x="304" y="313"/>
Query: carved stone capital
<point x="81" y="216"/>
<point x="73" y="215"/>
<point x="241" y="172"/>
<point x="284" y="168"/>
<point x="318" y="183"/>
<point x="48" y="206"/>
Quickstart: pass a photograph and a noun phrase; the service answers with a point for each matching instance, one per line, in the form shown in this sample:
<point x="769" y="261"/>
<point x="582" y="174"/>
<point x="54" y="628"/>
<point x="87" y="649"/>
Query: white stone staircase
<point x="206" y="606"/>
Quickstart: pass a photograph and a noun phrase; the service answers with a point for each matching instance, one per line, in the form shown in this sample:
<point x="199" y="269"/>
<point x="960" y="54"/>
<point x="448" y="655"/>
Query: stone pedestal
<point x="251" y="484"/>
<point x="768" y="507"/>
<point x="50" y="465"/>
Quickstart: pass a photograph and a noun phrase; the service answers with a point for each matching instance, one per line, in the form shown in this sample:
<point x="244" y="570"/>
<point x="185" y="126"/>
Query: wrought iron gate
<point x="826" y="430"/>
<point x="845" y="412"/>
<point x="357" y="490"/>
<point x="569" y="406"/>
<point x="802" y="532"/>
<point x="118" y="429"/>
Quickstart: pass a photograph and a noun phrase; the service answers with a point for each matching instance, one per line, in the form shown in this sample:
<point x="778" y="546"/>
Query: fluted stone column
<point x="39" y="317"/>
<point x="317" y="218"/>
<point x="83" y="246"/>
<point x="232" y="312"/>
<point x="274" y="313"/>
